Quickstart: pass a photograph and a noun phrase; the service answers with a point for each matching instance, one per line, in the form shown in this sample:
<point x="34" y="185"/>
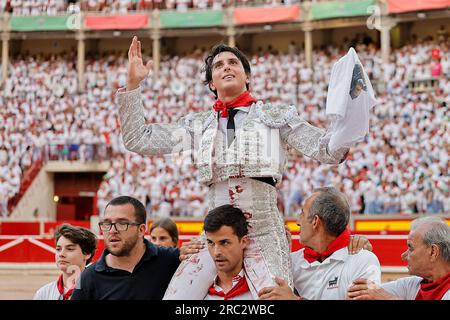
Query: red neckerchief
<point x="60" y="285"/>
<point x="244" y="100"/>
<point x="340" y="242"/>
<point x="240" y="288"/>
<point x="434" y="290"/>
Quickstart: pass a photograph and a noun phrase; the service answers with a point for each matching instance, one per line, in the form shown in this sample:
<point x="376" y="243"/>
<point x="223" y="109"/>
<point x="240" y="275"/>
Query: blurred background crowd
<point x="53" y="7"/>
<point x="402" y="167"/>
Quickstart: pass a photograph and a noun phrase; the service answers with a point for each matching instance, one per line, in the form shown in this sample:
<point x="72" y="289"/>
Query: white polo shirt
<point x="49" y="292"/>
<point x="331" y="279"/>
<point x="407" y="288"/>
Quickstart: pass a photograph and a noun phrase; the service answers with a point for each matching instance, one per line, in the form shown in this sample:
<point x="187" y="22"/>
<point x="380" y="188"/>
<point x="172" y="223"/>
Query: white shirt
<point x="407" y="288"/>
<point x="330" y="279"/>
<point x="238" y="120"/>
<point x="244" y="296"/>
<point x="49" y="292"/>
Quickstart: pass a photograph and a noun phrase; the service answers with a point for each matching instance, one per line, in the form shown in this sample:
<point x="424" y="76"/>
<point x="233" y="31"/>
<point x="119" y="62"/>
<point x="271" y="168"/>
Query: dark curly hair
<point x="219" y="49"/>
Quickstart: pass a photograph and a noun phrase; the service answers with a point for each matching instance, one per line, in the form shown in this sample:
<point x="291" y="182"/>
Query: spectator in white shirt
<point x="324" y="269"/>
<point x="75" y="248"/>
<point x="428" y="258"/>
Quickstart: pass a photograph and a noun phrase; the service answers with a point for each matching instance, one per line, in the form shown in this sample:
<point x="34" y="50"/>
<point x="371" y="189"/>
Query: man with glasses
<point x="130" y="268"/>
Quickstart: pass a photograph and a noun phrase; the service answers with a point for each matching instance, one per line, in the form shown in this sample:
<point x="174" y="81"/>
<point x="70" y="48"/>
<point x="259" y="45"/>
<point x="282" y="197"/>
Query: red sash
<point x="244" y="100"/>
<point x="340" y="242"/>
<point x="434" y="290"/>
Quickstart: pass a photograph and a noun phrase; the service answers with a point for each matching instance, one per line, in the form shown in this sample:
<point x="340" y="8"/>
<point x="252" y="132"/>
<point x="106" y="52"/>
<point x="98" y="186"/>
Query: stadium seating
<point x="401" y="168"/>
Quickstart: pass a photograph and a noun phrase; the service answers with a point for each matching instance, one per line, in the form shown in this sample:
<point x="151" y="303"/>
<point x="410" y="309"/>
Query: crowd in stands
<point x="53" y="7"/>
<point x="402" y="167"/>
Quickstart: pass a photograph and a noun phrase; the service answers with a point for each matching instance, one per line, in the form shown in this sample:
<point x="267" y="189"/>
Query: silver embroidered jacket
<point x="259" y="149"/>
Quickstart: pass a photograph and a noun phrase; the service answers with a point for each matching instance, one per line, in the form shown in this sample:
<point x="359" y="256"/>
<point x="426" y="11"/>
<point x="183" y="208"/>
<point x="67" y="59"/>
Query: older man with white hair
<point x="428" y="258"/>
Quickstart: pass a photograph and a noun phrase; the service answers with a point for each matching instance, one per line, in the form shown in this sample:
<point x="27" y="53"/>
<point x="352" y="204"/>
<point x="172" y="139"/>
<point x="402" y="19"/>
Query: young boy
<point x="75" y="248"/>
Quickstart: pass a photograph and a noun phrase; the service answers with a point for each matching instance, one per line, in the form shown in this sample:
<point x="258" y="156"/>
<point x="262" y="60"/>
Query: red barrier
<point x="11" y="228"/>
<point x="23" y="241"/>
<point x="20" y="228"/>
<point x="389" y="251"/>
<point x="388" y="248"/>
<point x="50" y="227"/>
<point x="25" y="249"/>
<point x="33" y="250"/>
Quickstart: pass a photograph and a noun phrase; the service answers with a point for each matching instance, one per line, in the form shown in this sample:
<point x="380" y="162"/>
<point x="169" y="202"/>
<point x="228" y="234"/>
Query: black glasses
<point x="120" y="225"/>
